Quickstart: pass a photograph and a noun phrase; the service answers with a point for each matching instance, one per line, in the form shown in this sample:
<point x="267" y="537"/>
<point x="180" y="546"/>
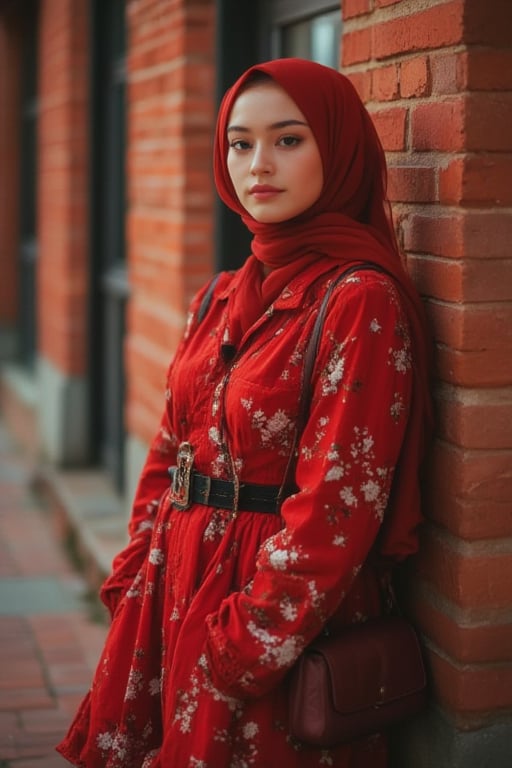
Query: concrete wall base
<point x="63" y="416"/>
<point x="431" y="741"/>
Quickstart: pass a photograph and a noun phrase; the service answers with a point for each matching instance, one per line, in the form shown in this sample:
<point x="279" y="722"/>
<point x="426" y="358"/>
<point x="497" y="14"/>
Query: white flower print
<point x="278" y="652"/>
<point x="104" y="740"/>
<point x="117" y="743"/>
<point x="250" y="730"/>
<point x="135" y="588"/>
<point x="347" y="496"/>
<point x="145" y="525"/>
<point x="375" y="326"/>
<point x="334" y="473"/>
<point x="156" y="557"/>
<point x="314" y="594"/>
<point x="333" y="376"/>
<point x="396" y="408"/>
<point x="214" y="435"/>
<point x="280" y="559"/>
<point x="340" y="540"/>
<point x="275" y="431"/>
<point x="155" y="686"/>
<point x="371" y="490"/>
<point x="134" y="685"/>
<point x="216" y="527"/>
<point x="401" y="359"/>
<point x="288" y="610"/>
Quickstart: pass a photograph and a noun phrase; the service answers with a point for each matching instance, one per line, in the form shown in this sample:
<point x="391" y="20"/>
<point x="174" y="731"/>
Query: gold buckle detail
<point x="180" y="486"/>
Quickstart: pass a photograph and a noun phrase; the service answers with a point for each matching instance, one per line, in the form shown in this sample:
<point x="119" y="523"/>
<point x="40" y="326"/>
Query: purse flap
<point x="371" y="663"/>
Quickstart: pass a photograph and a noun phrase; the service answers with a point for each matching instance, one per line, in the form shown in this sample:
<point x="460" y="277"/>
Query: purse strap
<point x="310" y="356"/>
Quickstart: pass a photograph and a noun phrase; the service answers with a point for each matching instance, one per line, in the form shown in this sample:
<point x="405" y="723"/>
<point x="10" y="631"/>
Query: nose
<point x="261" y="160"/>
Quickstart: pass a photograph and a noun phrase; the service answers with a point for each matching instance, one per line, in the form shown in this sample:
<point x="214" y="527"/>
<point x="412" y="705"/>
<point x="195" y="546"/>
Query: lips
<point x="263" y="191"/>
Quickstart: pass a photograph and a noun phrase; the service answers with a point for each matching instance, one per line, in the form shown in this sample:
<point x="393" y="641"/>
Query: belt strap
<point x="252" y="497"/>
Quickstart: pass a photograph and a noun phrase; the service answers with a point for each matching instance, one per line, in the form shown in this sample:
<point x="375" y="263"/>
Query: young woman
<point x="235" y="568"/>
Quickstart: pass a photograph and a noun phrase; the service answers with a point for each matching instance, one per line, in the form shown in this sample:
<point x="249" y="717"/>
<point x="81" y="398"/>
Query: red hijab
<point x="349" y="223"/>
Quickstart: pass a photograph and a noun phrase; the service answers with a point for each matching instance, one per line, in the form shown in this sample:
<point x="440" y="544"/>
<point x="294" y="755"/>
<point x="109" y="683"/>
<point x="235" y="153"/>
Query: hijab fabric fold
<point x="349" y="224"/>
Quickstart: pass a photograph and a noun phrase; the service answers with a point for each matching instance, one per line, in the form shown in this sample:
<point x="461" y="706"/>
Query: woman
<point x="236" y="567"/>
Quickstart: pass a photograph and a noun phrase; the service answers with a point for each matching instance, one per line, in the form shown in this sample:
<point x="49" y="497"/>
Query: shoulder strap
<point x="310" y="356"/>
<point x="205" y="303"/>
<point x="311" y="352"/>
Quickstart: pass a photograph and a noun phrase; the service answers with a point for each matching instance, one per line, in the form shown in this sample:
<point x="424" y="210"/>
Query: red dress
<point x="210" y="609"/>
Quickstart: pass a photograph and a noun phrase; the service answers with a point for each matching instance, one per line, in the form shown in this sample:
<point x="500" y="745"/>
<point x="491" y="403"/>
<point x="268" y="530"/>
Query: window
<point x="309" y="30"/>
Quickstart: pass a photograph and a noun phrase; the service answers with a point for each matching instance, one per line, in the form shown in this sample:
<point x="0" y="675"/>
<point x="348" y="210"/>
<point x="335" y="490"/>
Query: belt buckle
<point x="180" y="485"/>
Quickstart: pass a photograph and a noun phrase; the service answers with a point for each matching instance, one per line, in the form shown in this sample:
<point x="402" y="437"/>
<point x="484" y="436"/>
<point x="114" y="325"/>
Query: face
<point x="273" y="159"/>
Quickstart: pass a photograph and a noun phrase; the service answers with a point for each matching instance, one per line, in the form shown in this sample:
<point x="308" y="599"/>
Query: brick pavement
<point x="51" y="631"/>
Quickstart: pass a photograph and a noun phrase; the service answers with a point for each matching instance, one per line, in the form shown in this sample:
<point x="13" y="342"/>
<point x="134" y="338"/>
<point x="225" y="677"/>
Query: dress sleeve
<point x="347" y="454"/>
<point x="153" y="481"/>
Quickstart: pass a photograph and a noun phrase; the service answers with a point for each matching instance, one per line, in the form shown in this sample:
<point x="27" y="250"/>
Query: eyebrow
<point x="272" y="127"/>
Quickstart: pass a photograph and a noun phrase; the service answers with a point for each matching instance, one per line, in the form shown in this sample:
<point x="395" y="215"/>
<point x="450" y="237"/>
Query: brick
<point x="482" y="27"/>
<point x="471" y="280"/>
<point x="470" y="518"/>
<point x="357" y="46"/>
<point x="62" y="186"/>
<point x="415" y="79"/>
<point x="385" y="83"/>
<point x="411" y="183"/>
<point x="469" y="234"/>
<point x="477" y="179"/>
<point x="465" y="640"/>
<point x="475" y="419"/>
<point x="489" y="116"/>
<point x="362" y="82"/>
<point x="435" y="27"/>
<point x="473" y="368"/>
<point x="488" y="69"/>
<point x="439" y="125"/>
<point x="353" y="8"/>
<point x="434" y="234"/>
<point x="471" y="689"/>
<point x="474" y="576"/>
<point x="10" y="85"/>
<point x="474" y="327"/>
<point x="391" y="125"/>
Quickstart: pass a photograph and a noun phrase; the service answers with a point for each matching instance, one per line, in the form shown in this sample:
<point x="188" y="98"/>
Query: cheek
<point x="235" y="172"/>
<point x="313" y="177"/>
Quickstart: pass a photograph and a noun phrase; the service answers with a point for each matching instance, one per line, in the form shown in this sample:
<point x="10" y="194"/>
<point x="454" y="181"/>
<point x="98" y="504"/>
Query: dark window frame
<point x="108" y="286"/>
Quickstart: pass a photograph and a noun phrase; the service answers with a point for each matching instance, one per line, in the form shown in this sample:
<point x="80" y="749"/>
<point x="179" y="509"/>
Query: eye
<point x="289" y="141"/>
<point x="239" y="144"/>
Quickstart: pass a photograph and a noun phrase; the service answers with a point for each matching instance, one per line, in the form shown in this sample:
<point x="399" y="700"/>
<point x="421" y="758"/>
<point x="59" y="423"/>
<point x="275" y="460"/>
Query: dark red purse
<point x="363" y="680"/>
<point x="366" y="676"/>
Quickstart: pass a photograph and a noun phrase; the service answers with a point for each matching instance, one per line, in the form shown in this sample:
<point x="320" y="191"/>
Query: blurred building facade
<point x="109" y="223"/>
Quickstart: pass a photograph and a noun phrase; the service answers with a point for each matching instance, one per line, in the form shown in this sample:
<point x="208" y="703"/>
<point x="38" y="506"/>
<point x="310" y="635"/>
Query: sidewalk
<point x="51" y="630"/>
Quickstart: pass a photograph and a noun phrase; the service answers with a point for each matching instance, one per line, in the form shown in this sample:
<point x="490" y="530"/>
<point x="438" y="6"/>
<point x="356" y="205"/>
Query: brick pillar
<point x="438" y="80"/>
<point x="170" y="100"/>
<point x="62" y="228"/>
<point x="10" y="59"/>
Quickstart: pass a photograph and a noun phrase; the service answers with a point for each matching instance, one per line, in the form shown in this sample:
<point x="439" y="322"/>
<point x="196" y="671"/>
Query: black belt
<point x="213" y="492"/>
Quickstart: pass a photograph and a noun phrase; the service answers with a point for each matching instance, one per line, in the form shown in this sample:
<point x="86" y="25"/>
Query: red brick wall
<point x="63" y="158"/>
<point x="438" y="80"/>
<point x="170" y="199"/>
<point x="10" y="59"/>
